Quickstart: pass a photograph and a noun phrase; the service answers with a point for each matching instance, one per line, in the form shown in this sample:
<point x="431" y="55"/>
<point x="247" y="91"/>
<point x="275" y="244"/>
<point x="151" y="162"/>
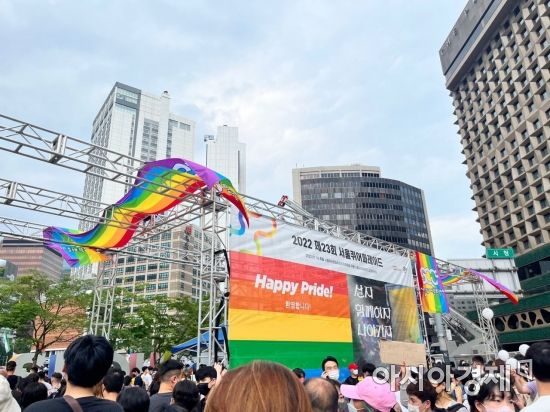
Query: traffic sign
<point x="507" y="253"/>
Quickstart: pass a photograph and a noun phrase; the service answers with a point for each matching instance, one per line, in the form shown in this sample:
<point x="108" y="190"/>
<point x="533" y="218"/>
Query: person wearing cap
<point x="353" y="378"/>
<point x="7" y="401"/>
<point x="376" y="394"/>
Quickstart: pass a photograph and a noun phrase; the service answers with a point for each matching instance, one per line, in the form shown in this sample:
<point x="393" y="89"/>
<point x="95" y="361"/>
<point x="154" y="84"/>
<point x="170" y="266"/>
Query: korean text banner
<point x="298" y="295"/>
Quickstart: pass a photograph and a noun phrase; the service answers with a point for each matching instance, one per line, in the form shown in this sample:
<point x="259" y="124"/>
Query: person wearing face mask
<point x="330" y="369"/>
<point x="170" y="374"/>
<point x="440" y="380"/>
<point x="57" y="379"/>
<point x="206" y="377"/>
<point x="353" y="378"/>
<point x="376" y="394"/>
<point x="422" y="397"/>
<point x="491" y="397"/>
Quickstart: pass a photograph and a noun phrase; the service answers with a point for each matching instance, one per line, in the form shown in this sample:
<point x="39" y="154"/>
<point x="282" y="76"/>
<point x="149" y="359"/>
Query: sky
<point x="308" y="83"/>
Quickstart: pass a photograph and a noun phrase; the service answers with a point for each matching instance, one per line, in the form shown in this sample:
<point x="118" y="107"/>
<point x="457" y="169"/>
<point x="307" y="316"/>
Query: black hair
<point x="299" y="372"/>
<point x="154" y="387"/>
<point x="127" y="380"/>
<point x="479" y="359"/>
<point x="135" y="370"/>
<point x="87" y="360"/>
<point x="113" y="382"/>
<point x="539" y="353"/>
<point x="32" y="393"/>
<point x="134" y="400"/>
<point x="143" y="369"/>
<point x="186" y="394"/>
<point x="34" y="369"/>
<point x="42" y="375"/>
<point x="486" y="391"/>
<point x="11" y="365"/>
<point x="368" y="368"/>
<point x="328" y="359"/>
<point x="206" y="372"/>
<point x="169" y="366"/>
<point x="57" y="376"/>
<point x="427" y="393"/>
<point x="322" y="394"/>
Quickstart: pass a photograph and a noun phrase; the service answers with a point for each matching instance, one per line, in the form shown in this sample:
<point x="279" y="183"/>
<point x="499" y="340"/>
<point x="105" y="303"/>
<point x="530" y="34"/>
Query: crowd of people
<point x="90" y="383"/>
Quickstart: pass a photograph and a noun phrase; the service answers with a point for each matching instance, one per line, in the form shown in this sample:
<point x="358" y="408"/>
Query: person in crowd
<point x="478" y="367"/>
<point x="43" y="379"/>
<point x="206" y="379"/>
<point x="342" y="402"/>
<point x="259" y="386"/>
<point x="58" y="386"/>
<point x="539" y="353"/>
<point x="3" y="372"/>
<point x="439" y="380"/>
<point x="87" y="360"/>
<point x="322" y="394"/>
<point x="127" y="381"/>
<point x="134" y="399"/>
<point x="186" y="397"/>
<point x="422" y="397"/>
<point x="491" y="396"/>
<point x="170" y="374"/>
<point x="136" y="377"/>
<point x="112" y="385"/>
<point x="33" y="392"/>
<point x="330" y="368"/>
<point x="376" y="394"/>
<point x="22" y="384"/>
<point x="34" y="369"/>
<point x="353" y="378"/>
<point x="7" y="401"/>
<point x="146" y="377"/>
<point x="155" y="385"/>
<point x="300" y="374"/>
<point x="457" y="389"/>
<point x="12" y="377"/>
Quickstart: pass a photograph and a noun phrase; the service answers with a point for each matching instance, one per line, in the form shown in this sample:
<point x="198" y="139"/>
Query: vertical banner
<point x="432" y="294"/>
<point x="299" y="295"/>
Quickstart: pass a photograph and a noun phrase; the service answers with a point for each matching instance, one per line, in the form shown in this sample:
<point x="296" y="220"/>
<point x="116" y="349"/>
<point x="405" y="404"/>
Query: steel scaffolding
<point x="205" y="208"/>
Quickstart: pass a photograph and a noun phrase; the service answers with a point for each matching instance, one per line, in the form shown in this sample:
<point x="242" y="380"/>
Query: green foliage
<point x="41" y="311"/>
<point x="152" y="323"/>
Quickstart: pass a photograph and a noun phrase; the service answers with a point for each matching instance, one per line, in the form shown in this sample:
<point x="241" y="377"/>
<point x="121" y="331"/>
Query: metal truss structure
<point x="206" y="210"/>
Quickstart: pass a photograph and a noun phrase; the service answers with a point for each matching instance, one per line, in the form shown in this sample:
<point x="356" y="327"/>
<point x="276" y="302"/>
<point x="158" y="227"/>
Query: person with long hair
<point x="259" y="386"/>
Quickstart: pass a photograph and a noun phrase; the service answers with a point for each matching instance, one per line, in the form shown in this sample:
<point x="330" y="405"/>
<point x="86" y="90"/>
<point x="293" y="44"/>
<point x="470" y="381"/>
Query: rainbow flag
<point x="432" y="294"/>
<point x="159" y="186"/>
<point x="497" y="285"/>
<point x="451" y="278"/>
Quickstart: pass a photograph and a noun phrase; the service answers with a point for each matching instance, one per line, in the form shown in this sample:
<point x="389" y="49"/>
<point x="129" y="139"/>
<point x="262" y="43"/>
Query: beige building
<point x="28" y="255"/>
<point x="496" y="63"/>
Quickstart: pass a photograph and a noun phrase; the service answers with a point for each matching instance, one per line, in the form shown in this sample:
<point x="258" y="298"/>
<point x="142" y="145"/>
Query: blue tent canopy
<point x="192" y="343"/>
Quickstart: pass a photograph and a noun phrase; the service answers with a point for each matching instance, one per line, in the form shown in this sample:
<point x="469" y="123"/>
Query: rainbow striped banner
<point x="432" y="294"/>
<point x="159" y="186"/>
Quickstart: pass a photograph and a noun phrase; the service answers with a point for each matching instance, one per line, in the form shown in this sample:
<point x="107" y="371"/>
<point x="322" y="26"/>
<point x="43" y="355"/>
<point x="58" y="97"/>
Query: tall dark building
<point x="358" y="198"/>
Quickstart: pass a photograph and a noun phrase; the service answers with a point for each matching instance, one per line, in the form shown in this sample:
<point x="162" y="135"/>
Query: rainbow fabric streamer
<point x="502" y="289"/>
<point x="159" y="186"/>
<point x="448" y="279"/>
<point x="432" y="294"/>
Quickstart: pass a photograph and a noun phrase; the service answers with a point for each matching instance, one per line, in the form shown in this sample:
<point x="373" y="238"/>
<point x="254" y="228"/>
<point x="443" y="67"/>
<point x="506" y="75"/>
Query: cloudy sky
<point x="307" y="82"/>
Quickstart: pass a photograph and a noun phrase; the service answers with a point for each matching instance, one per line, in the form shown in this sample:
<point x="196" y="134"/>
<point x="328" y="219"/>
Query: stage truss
<point x="206" y="210"/>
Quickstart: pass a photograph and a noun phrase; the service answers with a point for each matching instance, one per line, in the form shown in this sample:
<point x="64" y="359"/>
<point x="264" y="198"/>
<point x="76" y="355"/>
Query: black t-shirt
<point x="88" y="404"/>
<point x="350" y="380"/>
<point x="158" y="400"/>
<point x="12" y="379"/>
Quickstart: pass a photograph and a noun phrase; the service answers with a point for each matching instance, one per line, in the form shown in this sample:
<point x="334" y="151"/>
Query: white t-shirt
<point x="542" y="404"/>
<point x="147" y="380"/>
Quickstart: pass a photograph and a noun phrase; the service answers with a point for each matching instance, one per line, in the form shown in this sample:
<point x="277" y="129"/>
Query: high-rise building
<point x="28" y="255"/>
<point x="226" y="155"/>
<point x="496" y="64"/>
<point x="139" y="124"/>
<point x="358" y="198"/>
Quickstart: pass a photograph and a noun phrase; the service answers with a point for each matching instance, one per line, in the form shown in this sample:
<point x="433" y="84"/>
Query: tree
<point x="44" y="312"/>
<point x="155" y="323"/>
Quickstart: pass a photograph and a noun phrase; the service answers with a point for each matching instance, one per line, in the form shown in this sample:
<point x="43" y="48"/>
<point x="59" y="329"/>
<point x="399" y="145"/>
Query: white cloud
<point x="456" y="236"/>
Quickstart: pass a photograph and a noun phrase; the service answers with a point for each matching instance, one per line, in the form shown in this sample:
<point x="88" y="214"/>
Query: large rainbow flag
<point x="432" y="294"/>
<point x="159" y="186"/>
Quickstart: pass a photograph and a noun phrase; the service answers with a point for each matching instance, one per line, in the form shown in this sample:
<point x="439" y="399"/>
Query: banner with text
<point x="298" y="295"/>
